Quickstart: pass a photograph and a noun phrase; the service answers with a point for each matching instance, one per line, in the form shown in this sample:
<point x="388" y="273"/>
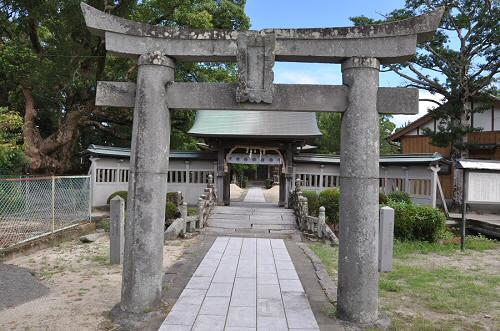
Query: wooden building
<point x="485" y="145"/>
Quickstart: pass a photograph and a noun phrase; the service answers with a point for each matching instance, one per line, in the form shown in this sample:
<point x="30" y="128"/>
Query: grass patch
<point x="192" y="211"/>
<point x="426" y="289"/>
<point x="329" y="256"/>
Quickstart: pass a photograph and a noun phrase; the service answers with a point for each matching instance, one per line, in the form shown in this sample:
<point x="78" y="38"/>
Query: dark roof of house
<point x="384" y="159"/>
<point x="410" y="127"/>
<point x="255" y="124"/>
<point x="97" y="150"/>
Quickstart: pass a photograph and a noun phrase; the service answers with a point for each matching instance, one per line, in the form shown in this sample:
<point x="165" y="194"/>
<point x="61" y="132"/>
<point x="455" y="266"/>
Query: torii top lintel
<point x="392" y="42"/>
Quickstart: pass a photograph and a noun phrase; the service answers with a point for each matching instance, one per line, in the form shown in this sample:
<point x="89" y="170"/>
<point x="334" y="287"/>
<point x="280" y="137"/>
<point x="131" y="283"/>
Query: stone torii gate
<point x="360" y="50"/>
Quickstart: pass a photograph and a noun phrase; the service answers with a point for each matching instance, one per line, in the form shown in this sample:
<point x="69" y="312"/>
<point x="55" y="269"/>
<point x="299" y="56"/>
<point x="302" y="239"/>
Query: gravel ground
<point x="83" y="286"/>
<point x="18" y="285"/>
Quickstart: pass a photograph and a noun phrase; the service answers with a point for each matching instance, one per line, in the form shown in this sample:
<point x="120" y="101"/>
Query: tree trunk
<point x="462" y="153"/>
<point x="54" y="153"/>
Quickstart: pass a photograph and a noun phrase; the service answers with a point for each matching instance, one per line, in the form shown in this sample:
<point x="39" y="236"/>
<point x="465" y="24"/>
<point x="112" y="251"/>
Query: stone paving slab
<point x="243" y="284"/>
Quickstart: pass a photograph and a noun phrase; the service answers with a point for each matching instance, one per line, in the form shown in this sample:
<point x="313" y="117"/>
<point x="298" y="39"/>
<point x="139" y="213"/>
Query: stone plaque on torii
<point x="360" y="50"/>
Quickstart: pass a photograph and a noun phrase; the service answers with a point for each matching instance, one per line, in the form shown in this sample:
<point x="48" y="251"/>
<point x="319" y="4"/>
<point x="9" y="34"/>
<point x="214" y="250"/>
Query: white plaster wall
<point x="191" y="191"/>
<point x="483" y="120"/>
<point x="428" y="125"/>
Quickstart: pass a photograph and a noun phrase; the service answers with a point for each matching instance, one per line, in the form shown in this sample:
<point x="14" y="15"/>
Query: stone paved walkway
<point x="243" y="284"/>
<point x="255" y="194"/>
<point x="228" y="219"/>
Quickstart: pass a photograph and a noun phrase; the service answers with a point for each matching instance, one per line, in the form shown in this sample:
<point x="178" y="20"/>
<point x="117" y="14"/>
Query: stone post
<point x="386" y="239"/>
<point x="147" y="190"/>
<point x="183" y="209"/>
<point x="116" y="231"/>
<point x="201" y="210"/>
<point x="321" y="221"/>
<point x="359" y="172"/>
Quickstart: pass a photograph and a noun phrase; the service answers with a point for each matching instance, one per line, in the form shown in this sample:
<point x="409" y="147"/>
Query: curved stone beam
<point x="393" y="42"/>
<point x="423" y="26"/>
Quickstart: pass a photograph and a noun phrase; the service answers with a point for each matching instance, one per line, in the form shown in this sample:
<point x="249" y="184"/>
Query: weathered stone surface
<point x="255" y="67"/>
<point x="386" y="239"/>
<point x="359" y="171"/>
<point x="89" y="238"/>
<point x="287" y="97"/>
<point x="143" y="257"/>
<point x="117" y="230"/>
<point x="390" y="42"/>
<point x="175" y="229"/>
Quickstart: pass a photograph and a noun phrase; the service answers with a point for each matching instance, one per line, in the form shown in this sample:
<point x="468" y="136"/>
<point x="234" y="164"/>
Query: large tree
<point x="460" y="63"/>
<point x="49" y="65"/>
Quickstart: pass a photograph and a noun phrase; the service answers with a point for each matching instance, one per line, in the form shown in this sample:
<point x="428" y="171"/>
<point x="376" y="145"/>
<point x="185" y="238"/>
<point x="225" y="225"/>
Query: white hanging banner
<point x="270" y="159"/>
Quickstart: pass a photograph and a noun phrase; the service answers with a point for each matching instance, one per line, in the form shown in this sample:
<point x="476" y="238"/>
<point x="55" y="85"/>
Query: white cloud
<point x="423" y="107"/>
<point x="307" y="73"/>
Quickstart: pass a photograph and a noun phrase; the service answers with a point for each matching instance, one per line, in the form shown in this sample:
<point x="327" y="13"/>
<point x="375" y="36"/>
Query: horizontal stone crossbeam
<point x="392" y="42"/>
<point x="287" y="97"/>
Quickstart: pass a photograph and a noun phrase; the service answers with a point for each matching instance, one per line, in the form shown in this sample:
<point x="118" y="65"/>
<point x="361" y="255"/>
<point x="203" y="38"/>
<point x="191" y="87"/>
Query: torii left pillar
<point x="147" y="190"/>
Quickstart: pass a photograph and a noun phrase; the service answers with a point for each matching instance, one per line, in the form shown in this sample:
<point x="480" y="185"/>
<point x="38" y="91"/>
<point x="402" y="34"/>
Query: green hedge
<point x="415" y="222"/>
<point x="122" y="194"/>
<point x="171" y="211"/>
<point x="312" y="202"/>
<point x="329" y="199"/>
<point x="399" y="196"/>
<point x="269" y="183"/>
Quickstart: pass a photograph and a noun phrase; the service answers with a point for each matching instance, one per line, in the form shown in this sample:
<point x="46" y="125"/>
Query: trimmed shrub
<point x="312" y="202"/>
<point x="269" y="183"/>
<point x="122" y="194"/>
<point x="382" y="198"/>
<point x="399" y="196"/>
<point x="172" y="197"/>
<point x="171" y="211"/>
<point x="329" y="199"/>
<point x="415" y="222"/>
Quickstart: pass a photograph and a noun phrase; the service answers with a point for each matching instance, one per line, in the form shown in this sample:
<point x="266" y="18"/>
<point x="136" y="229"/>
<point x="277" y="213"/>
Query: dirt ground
<point x="272" y="194"/>
<point x="83" y="286"/>
<point x="236" y="192"/>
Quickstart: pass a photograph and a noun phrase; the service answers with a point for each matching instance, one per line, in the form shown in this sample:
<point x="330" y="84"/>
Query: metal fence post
<point x="53" y="203"/>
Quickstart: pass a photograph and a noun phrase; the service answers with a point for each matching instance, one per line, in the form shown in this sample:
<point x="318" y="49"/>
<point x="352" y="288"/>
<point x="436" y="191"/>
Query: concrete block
<point x="291" y="285"/>
<point x="182" y="314"/>
<point x="220" y="290"/>
<point x="265" y="291"/>
<point x="241" y="317"/>
<point x="272" y="323"/>
<point x="191" y="296"/>
<point x="270" y="308"/>
<point x="209" y="323"/>
<point x="199" y="283"/>
<point x="267" y="279"/>
<point x="386" y="239"/>
<point x="215" y="306"/>
<point x="117" y="230"/>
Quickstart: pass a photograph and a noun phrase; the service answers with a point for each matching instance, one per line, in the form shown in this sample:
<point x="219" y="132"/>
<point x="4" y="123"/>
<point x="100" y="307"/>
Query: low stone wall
<point x="187" y="224"/>
<point x="306" y="222"/>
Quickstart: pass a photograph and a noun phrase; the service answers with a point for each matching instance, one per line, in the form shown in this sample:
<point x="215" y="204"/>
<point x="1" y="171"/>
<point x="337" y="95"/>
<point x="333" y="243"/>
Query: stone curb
<point x="324" y="279"/>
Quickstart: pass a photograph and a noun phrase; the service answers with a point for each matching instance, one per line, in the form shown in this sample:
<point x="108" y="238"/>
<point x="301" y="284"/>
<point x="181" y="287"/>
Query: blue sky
<point x="323" y="13"/>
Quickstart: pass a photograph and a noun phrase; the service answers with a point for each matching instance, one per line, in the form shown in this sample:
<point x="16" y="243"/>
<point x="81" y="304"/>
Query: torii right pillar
<point x="359" y="173"/>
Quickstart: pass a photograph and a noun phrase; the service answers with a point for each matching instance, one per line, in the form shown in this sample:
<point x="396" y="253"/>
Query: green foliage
<point x="382" y="198"/>
<point x="460" y="64"/>
<point x="46" y="49"/>
<point x="122" y="194"/>
<point x="268" y="183"/>
<point x="329" y="199"/>
<point x="329" y="125"/>
<point x="415" y="222"/>
<point x="312" y="202"/>
<point x="105" y="224"/>
<point x="399" y="196"/>
<point x="12" y="158"/>
<point x="171" y="211"/>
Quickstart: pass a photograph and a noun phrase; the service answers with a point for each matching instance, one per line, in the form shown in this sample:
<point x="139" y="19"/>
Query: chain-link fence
<point x="35" y="206"/>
